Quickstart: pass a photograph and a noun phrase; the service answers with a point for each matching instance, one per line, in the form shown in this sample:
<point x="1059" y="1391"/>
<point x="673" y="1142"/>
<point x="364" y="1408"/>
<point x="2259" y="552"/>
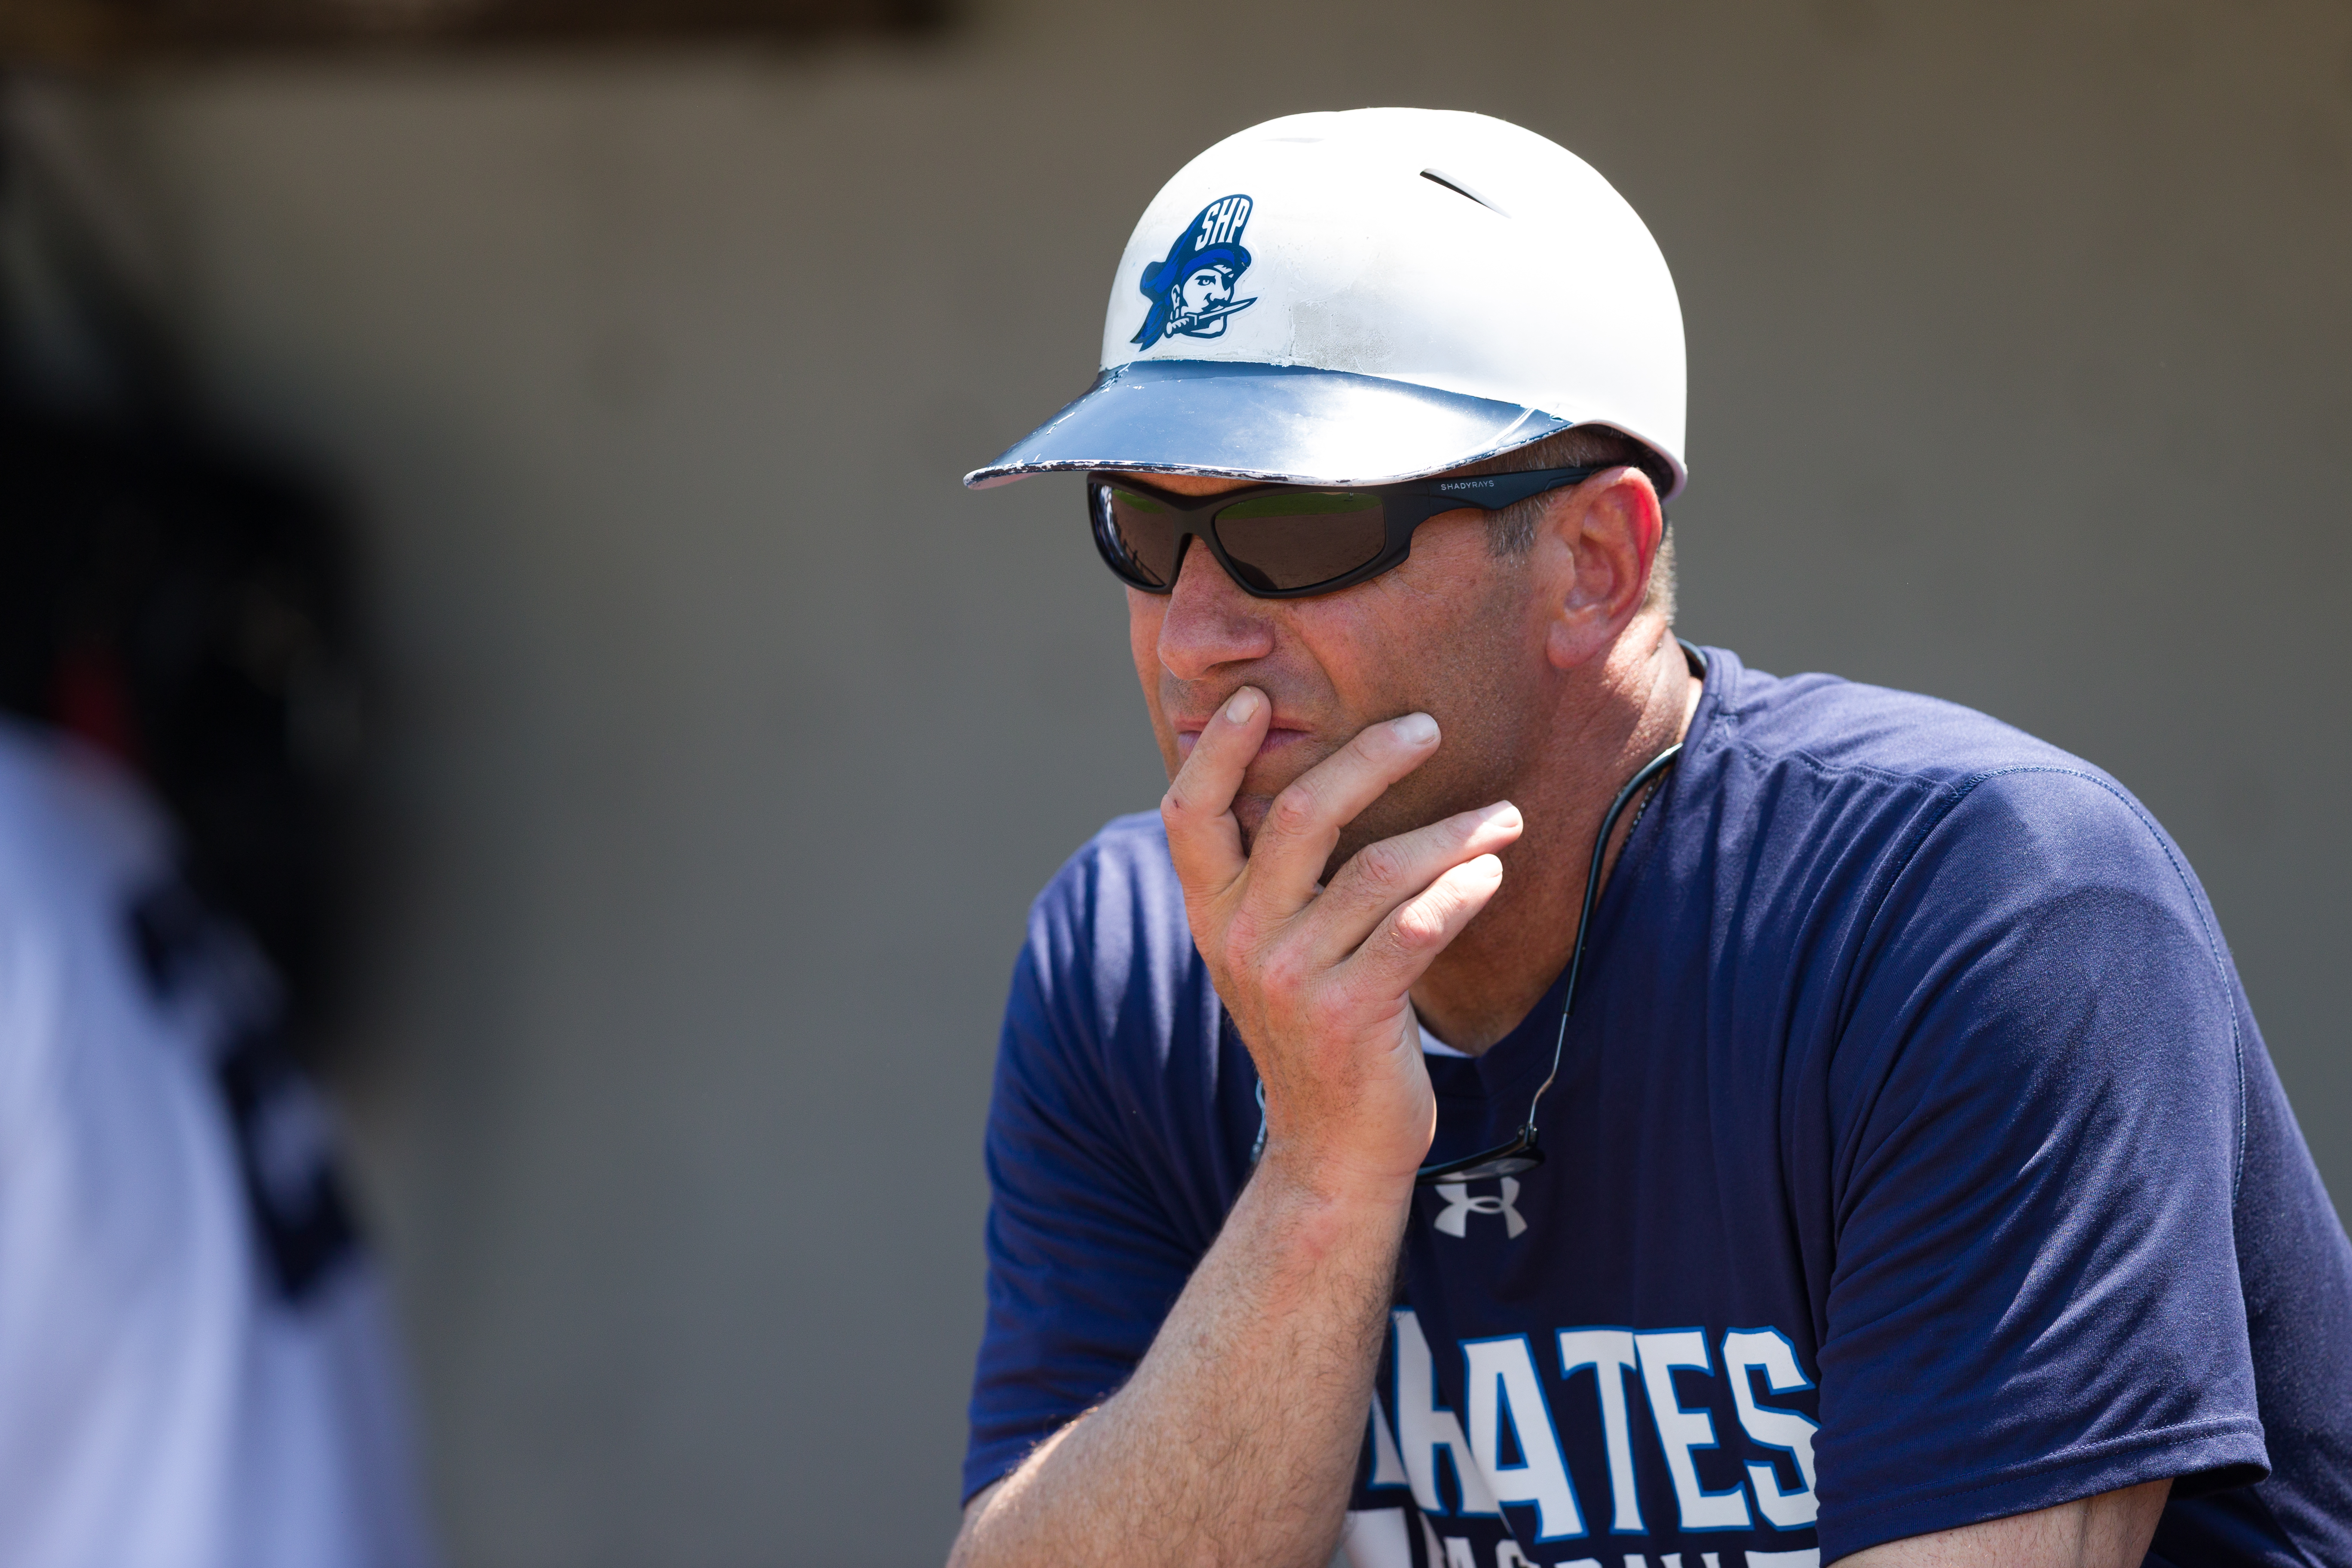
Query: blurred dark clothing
<point x="185" y="609"/>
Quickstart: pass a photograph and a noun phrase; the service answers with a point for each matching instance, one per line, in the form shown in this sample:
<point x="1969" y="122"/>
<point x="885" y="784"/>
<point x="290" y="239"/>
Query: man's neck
<point x="1639" y="703"/>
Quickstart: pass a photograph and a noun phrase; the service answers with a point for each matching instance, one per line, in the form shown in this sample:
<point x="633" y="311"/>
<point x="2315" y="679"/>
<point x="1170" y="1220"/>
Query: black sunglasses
<point x="1287" y="542"/>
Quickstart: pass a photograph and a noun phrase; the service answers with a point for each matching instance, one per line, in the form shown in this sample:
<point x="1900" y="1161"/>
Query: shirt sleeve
<point x="2038" y="1118"/>
<point x="1087" y="1245"/>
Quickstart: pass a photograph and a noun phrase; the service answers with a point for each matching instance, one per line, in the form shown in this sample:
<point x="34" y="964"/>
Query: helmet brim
<point x="1278" y="424"/>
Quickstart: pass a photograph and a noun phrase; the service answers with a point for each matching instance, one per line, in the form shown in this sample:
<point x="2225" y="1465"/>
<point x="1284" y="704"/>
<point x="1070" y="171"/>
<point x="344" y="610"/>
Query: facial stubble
<point x="1469" y="676"/>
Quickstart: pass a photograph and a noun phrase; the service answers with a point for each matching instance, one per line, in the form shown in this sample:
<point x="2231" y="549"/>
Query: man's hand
<point x="1319" y="978"/>
<point x="1234" y="1440"/>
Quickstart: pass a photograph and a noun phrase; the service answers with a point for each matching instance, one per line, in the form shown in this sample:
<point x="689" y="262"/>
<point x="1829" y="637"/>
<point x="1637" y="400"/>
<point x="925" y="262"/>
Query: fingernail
<point x="1416" y="729"/>
<point x="1244" y="704"/>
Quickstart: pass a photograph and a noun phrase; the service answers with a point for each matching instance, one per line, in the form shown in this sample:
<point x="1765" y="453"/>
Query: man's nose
<point x="1209" y="621"/>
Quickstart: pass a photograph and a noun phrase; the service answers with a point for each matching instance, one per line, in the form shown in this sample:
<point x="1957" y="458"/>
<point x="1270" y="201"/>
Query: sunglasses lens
<point x="1136" y="534"/>
<point x="1300" y="538"/>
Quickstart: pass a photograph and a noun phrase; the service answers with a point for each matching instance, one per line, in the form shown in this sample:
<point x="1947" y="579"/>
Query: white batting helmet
<point x="1350" y="298"/>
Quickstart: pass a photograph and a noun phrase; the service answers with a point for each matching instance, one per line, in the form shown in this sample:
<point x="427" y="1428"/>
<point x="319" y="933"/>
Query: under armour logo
<point x="1459" y="1206"/>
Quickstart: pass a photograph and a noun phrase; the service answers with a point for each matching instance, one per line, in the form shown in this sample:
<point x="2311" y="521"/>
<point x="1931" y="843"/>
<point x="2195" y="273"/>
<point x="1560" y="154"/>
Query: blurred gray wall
<point x="726" y="739"/>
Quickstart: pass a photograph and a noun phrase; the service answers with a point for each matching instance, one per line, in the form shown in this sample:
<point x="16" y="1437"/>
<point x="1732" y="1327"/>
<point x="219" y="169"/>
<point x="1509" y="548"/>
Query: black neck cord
<point x="1633" y="787"/>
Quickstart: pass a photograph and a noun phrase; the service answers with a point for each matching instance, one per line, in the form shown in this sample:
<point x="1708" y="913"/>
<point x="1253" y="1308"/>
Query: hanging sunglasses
<point x="1287" y="542"/>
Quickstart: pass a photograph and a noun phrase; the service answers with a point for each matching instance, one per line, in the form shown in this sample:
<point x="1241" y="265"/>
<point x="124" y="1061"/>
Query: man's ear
<point x="1593" y="550"/>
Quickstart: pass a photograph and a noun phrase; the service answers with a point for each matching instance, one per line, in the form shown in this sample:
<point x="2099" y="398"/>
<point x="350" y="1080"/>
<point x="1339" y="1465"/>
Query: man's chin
<point x="1249" y="811"/>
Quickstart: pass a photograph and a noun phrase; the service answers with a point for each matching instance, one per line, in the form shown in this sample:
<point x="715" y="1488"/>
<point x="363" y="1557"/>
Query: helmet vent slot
<point x="1437" y="178"/>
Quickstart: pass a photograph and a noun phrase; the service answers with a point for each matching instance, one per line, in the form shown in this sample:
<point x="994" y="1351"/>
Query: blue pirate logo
<point x="1192" y="291"/>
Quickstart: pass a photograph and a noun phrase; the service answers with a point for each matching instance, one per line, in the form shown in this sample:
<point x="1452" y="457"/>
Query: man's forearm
<point x="1237" y="1437"/>
<point x="2110" y="1531"/>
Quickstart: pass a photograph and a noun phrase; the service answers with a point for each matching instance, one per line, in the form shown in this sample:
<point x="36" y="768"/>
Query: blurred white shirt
<point x="195" y="1362"/>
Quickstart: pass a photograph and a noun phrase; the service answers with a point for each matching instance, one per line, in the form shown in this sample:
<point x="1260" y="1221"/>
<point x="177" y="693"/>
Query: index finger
<point x="1203" y="840"/>
<point x="1302" y="826"/>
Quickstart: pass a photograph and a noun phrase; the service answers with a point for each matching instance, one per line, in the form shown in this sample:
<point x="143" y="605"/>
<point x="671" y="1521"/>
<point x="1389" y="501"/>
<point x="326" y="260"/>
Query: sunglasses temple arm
<point x="1536" y="484"/>
<point x="1508" y="489"/>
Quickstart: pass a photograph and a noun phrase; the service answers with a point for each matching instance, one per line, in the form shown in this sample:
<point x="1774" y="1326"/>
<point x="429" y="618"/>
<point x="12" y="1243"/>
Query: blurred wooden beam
<point x="99" y="32"/>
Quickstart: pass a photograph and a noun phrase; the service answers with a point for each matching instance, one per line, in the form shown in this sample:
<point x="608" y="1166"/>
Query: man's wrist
<point x="1331" y="1197"/>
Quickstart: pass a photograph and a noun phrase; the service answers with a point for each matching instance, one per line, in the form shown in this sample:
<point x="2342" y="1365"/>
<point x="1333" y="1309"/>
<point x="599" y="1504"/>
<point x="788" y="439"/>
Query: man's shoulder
<point x="1867" y="733"/>
<point x="1874" y="773"/>
<point x="1114" y="904"/>
<point x="1138" y="835"/>
<point x="1126" y="861"/>
<point x="1108" y="975"/>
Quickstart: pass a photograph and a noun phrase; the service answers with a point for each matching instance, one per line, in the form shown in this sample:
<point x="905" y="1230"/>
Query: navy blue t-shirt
<point x="1915" y="1161"/>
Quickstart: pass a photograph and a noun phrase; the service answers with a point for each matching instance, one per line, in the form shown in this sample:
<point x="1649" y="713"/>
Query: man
<point x="1542" y="1093"/>
<point x="196" y="1358"/>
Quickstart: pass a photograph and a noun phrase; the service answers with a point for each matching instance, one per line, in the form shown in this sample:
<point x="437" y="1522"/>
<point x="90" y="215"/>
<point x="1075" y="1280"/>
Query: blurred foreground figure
<point x="196" y="1368"/>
